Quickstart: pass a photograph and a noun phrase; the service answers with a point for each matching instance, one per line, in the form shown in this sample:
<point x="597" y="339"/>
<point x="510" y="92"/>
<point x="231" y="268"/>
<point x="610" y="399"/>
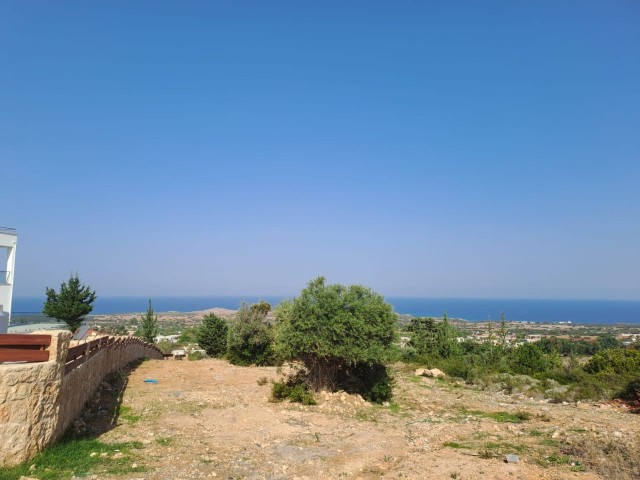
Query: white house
<point x="8" y="241"/>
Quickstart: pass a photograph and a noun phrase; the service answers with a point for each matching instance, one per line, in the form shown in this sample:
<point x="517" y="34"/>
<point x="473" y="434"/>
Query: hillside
<point x="208" y="419"/>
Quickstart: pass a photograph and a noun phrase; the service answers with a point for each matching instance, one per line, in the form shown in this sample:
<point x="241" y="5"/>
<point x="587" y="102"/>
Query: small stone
<point x="32" y="468"/>
<point x="134" y="465"/>
<point x="104" y="455"/>
<point x="510" y="458"/>
<point x="93" y="454"/>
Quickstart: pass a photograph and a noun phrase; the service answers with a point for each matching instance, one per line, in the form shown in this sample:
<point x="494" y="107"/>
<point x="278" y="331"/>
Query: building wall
<point x="8" y="241"/>
<point x="38" y="402"/>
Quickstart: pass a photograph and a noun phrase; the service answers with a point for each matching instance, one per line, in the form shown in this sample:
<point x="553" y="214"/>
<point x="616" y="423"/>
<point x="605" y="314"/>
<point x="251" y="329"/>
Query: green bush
<point x="529" y="359"/>
<point x="250" y="340"/>
<point x="212" y="335"/>
<point x="618" y="361"/>
<point x="432" y="338"/>
<point x="293" y="389"/>
<point x="615" y="370"/>
<point x="373" y="382"/>
<point x="632" y="391"/>
<point x="196" y="356"/>
<point x="332" y="327"/>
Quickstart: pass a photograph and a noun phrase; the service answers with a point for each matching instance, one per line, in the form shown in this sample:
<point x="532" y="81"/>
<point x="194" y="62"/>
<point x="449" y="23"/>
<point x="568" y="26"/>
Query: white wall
<point x="8" y="243"/>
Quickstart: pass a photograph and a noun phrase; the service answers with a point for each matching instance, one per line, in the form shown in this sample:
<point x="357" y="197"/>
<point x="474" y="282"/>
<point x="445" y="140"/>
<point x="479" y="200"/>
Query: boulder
<point x="433" y="372"/>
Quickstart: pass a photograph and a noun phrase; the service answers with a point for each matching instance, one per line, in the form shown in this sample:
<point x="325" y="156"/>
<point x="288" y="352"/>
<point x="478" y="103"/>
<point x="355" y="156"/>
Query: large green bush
<point x="530" y="359"/>
<point x="618" y="361"/>
<point x="331" y="328"/>
<point x="212" y="335"/>
<point x="433" y="339"/>
<point x="250" y="340"/>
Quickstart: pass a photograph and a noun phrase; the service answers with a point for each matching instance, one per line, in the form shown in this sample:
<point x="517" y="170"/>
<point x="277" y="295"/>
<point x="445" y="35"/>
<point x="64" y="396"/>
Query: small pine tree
<point x="212" y="335"/>
<point x="447" y="344"/>
<point x="502" y="333"/>
<point x="148" y="325"/>
<point x="71" y="304"/>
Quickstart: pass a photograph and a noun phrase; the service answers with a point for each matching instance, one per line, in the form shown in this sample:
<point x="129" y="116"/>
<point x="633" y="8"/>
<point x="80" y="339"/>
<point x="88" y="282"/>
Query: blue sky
<point x="439" y="148"/>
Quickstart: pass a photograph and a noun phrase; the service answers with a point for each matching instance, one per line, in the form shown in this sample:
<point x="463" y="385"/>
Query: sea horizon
<point x="471" y="309"/>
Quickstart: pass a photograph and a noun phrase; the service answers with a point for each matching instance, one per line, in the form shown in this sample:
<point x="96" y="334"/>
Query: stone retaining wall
<point x="38" y="402"/>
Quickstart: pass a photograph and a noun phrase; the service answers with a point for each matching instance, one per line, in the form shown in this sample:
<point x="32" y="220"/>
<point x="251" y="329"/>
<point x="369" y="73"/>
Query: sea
<point x="472" y="309"/>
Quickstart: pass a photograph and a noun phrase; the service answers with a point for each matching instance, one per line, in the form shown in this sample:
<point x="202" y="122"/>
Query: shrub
<point x="195" y="356"/>
<point x="435" y="339"/>
<point x="529" y="359"/>
<point x="293" y="389"/>
<point x="212" y="335"/>
<point x="632" y="391"/>
<point x="373" y="382"/>
<point x="250" y="340"/>
<point x="616" y="370"/>
<point x="619" y="361"/>
<point x="332" y="327"/>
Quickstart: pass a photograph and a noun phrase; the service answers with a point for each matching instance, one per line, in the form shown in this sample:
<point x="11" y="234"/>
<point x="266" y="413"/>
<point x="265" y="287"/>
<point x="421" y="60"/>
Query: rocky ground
<point x="209" y="419"/>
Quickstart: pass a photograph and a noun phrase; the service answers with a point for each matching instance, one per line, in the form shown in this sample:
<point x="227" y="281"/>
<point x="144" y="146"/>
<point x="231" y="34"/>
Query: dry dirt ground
<point x="209" y="419"/>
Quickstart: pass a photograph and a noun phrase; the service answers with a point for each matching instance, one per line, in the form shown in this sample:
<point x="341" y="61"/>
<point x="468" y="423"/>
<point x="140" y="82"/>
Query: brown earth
<point x="209" y="419"/>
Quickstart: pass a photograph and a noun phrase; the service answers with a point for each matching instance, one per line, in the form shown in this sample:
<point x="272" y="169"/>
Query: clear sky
<point x="436" y="148"/>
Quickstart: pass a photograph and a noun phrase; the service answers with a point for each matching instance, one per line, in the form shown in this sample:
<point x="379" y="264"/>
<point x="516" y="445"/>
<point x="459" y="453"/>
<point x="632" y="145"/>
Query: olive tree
<point x="331" y="328"/>
<point x="250" y="339"/>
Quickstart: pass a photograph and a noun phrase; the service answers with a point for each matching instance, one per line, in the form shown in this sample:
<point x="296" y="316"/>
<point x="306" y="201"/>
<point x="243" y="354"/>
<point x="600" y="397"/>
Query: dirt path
<point x="208" y="419"/>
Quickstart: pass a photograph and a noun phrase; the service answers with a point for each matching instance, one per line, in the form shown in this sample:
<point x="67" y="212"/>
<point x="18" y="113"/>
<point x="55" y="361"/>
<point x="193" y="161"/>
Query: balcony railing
<point x="5" y="276"/>
<point x="10" y="231"/>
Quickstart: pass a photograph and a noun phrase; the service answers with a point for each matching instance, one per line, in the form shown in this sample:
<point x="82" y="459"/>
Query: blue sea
<point x="576" y="311"/>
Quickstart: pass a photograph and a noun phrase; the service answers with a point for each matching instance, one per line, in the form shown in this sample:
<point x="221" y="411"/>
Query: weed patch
<point x="125" y="413"/>
<point x="456" y="445"/>
<point x="78" y="457"/>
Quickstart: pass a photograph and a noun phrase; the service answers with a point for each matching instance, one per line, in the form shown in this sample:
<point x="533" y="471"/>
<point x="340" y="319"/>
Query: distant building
<point x="167" y="338"/>
<point x="8" y="242"/>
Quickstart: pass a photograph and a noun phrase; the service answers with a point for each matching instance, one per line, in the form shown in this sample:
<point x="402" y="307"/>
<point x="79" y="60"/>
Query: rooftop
<point x="8" y="231"/>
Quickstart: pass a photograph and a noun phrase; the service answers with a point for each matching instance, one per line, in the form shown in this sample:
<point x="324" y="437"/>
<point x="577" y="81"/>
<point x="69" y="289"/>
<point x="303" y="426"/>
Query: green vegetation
<point x="125" y="413"/>
<point x="501" y="417"/>
<point x="262" y="308"/>
<point x="433" y="339"/>
<point x="194" y="356"/>
<point x="294" y="389"/>
<point x="536" y="369"/>
<point x="343" y="335"/>
<point x="456" y="445"/>
<point x="250" y="340"/>
<point x="148" y="330"/>
<point x="71" y="304"/>
<point x="78" y="457"/>
<point x="212" y="335"/>
<point x="568" y="347"/>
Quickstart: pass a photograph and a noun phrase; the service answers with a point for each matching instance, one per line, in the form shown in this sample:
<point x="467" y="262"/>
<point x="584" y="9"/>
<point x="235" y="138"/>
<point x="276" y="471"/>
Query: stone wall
<point x="38" y="402"/>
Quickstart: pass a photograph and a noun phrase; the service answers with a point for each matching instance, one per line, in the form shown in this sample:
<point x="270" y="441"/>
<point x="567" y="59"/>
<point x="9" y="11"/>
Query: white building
<point x="8" y="241"/>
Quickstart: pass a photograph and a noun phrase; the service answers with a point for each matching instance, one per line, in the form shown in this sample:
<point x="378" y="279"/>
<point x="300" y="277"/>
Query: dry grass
<point x="613" y="458"/>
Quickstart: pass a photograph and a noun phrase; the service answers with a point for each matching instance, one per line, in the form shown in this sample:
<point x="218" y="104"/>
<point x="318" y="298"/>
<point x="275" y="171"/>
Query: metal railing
<point x="10" y="231"/>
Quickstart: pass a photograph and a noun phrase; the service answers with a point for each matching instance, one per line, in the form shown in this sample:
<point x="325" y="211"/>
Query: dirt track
<point x="208" y="419"/>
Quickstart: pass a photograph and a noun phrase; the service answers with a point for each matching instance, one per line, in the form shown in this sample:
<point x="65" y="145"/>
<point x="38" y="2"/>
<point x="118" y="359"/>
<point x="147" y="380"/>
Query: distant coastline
<point x="604" y="312"/>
